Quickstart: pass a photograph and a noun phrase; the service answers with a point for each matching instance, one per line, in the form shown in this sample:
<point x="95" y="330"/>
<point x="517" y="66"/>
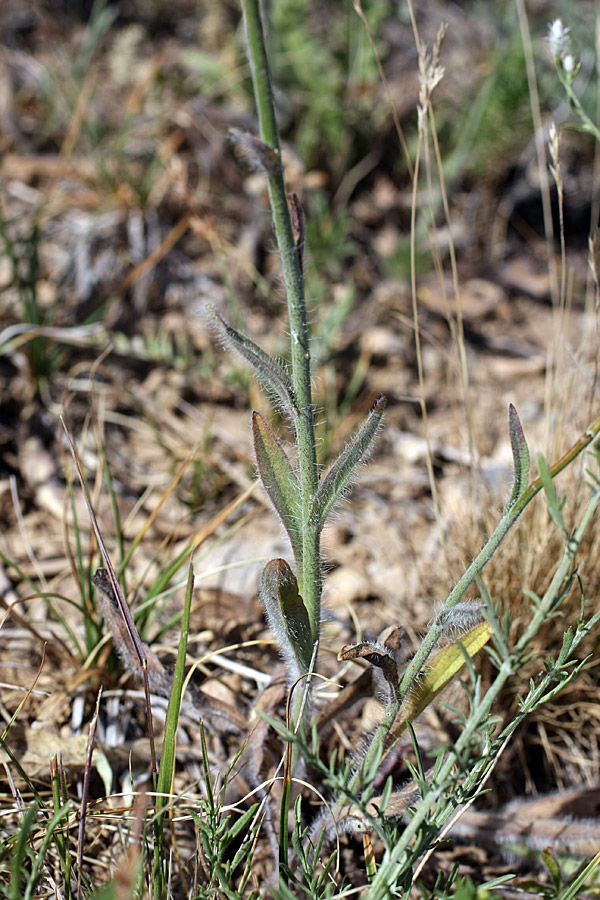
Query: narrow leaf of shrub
<point x="342" y="471"/>
<point x="272" y="375"/>
<point x="552" y="501"/>
<point x="279" y="481"/>
<point x="239" y="827"/>
<point x="287" y="615"/>
<point x="520" y="454"/>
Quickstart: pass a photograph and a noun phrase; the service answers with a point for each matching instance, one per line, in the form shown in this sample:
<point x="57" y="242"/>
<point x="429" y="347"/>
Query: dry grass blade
<point x="113" y="581"/>
<point x="133" y="638"/>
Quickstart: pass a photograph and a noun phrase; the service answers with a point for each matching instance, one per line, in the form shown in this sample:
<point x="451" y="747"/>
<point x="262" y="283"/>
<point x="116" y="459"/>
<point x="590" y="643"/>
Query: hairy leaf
<point x="255" y="152"/>
<point x="375" y="653"/>
<point x="287" y="615"/>
<point x="342" y="471"/>
<point x="272" y="375"/>
<point x="279" y="481"/>
<point x="520" y="454"/>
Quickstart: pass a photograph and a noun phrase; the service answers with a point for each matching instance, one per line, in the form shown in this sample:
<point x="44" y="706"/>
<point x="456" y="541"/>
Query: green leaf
<point x="340" y="474"/>
<point x="279" y="481"/>
<point x="167" y="761"/>
<point x="272" y="375"/>
<point x="18" y="868"/>
<point x="553" y="867"/>
<point x="553" y="503"/>
<point x="520" y="454"/>
<point x="287" y="615"/>
<point x="239" y="826"/>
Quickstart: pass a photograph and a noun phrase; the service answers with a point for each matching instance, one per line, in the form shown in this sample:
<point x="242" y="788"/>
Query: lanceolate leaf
<point x="287" y="615"/>
<point x="273" y="376"/>
<point x="279" y="481"/>
<point x="520" y="454"/>
<point x="343" y="469"/>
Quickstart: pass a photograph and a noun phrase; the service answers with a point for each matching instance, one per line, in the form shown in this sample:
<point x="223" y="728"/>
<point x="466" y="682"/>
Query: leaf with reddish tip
<point x="271" y="374"/>
<point x="520" y="454"/>
<point x="287" y="615"/>
<point x="343" y="469"/>
<point x="279" y="481"/>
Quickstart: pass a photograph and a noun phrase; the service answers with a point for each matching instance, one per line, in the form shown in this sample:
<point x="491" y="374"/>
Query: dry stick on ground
<point x="160" y="677"/>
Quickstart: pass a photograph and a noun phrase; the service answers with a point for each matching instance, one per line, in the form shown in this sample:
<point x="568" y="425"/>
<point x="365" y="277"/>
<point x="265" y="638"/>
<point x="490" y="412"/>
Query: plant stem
<point x="481" y="710"/>
<point x="309" y="579"/>
<point x="588" y="125"/>
<point x="509" y="517"/>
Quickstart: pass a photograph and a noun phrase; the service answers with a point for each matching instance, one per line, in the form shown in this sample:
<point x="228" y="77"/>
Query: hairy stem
<point x="309" y="579"/>
<point x="510" y="516"/>
<point x="481" y="710"/>
<point x="508" y="519"/>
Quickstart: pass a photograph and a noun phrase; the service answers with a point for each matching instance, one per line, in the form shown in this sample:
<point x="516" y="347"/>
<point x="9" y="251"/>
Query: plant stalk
<point x="309" y="579"/>
<point x="509" y="517"/>
<point x="481" y="711"/>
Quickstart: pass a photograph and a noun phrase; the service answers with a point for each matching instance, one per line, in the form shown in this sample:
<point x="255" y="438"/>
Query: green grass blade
<point x="572" y="888"/>
<point x="39" y="799"/>
<point x="90" y="627"/>
<point x="20" y="853"/>
<point x="54" y="823"/>
<point x="167" y="762"/>
<point x="58" y="791"/>
<point x="45" y="596"/>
